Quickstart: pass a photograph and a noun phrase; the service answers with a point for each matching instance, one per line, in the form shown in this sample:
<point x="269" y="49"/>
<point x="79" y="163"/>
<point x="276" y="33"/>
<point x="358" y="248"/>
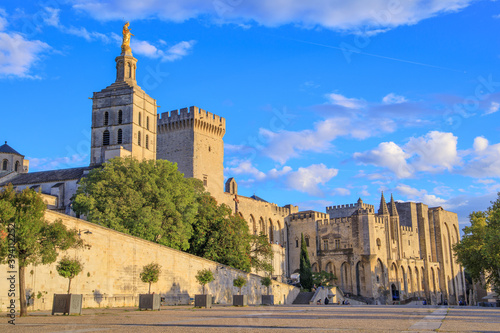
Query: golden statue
<point x="126" y="39"/>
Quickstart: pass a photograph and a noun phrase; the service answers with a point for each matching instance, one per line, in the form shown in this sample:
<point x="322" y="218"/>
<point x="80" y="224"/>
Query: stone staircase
<point x="303" y="297"/>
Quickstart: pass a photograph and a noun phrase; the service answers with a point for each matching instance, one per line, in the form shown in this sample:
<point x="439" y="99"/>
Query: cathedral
<point x="400" y="252"/>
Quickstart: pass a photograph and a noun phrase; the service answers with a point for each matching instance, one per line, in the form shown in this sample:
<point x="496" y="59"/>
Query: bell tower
<point x="123" y="115"/>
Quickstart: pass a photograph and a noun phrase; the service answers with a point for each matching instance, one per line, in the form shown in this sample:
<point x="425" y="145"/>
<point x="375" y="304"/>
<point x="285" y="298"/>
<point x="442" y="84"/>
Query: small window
<point x="296" y="243"/>
<point x="147" y="123"/>
<point x="325" y="244"/>
<point x="16" y="167"/>
<point x="337" y="243"/>
<point x="120" y="136"/>
<point x="139" y="138"/>
<point x="139" y="119"/>
<point x="120" y="117"/>
<point x="205" y="180"/>
<point x="106" y="118"/>
<point x="307" y="241"/>
<point x="5" y="164"/>
<point x="105" y="138"/>
<point x="147" y="141"/>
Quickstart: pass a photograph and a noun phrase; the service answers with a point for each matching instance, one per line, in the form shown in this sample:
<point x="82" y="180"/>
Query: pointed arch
<point x="253" y="224"/>
<point x="271" y="231"/>
<point x="106" y="118"/>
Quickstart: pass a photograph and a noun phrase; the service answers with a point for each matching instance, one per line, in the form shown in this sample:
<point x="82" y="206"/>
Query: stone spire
<point x="125" y="62"/>
<point x="393" y="209"/>
<point x="383" y="206"/>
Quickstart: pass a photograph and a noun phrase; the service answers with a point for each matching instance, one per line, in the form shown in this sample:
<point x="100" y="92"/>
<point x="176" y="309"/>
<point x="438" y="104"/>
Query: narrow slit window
<point x="139" y="138"/>
<point x="120" y="117"/>
<point x="105" y="138"/>
<point x="147" y="141"/>
<point x="120" y="136"/>
<point x="106" y="118"/>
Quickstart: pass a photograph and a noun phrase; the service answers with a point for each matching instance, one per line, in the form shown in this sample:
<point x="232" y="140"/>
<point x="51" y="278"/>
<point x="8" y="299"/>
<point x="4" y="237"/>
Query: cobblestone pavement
<point x="266" y="319"/>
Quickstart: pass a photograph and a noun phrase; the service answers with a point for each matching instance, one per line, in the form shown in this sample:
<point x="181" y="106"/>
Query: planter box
<point x="240" y="300"/>
<point x="149" y="301"/>
<point x="267" y="299"/>
<point x="67" y="304"/>
<point x="203" y="301"/>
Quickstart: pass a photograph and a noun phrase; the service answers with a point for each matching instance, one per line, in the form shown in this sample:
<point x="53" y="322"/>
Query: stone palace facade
<point x="402" y="250"/>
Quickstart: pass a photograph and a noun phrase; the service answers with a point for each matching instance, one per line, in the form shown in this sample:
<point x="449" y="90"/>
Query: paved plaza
<point x="267" y="319"/>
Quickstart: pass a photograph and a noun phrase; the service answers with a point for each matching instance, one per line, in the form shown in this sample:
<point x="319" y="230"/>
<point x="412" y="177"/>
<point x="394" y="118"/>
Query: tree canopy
<point x="306" y="279"/>
<point x="36" y="241"/>
<point x="150" y="274"/>
<point x="203" y="277"/>
<point x="239" y="283"/>
<point x="69" y="268"/>
<point x="148" y="199"/>
<point x="479" y="249"/>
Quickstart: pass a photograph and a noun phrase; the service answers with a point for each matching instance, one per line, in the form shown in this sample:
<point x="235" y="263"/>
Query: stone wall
<point x="112" y="266"/>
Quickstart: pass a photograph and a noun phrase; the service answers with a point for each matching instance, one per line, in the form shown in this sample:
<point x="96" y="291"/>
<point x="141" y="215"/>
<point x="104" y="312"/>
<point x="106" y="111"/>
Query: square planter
<point x="67" y="304"/>
<point x="240" y="300"/>
<point x="267" y="299"/>
<point x="149" y="301"/>
<point x="203" y="301"/>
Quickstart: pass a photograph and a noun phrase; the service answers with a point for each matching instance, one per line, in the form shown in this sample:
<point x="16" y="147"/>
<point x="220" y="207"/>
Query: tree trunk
<point x="22" y="292"/>
<point x="268" y="290"/>
<point x="203" y="289"/>
<point x="149" y="291"/>
<point x="69" y="286"/>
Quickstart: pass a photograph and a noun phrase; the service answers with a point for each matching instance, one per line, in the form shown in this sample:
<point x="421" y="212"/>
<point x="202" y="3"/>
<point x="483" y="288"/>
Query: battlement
<point x="192" y="117"/>
<point x="338" y="220"/>
<point x="339" y="207"/>
<point x="406" y="228"/>
<point x="308" y="215"/>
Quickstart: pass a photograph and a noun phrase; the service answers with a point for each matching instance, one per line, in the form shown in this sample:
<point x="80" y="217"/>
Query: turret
<point x="392" y="207"/>
<point x="383" y="206"/>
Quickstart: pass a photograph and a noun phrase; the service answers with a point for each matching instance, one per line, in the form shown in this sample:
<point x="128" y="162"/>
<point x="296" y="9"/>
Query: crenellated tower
<point x="123" y="115"/>
<point x="192" y="138"/>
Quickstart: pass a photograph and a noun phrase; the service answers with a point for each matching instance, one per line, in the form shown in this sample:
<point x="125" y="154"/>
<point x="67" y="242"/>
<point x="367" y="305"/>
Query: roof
<point x="47" y="176"/>
<point x="258" y="198"/>
<point x="6" y="149"/>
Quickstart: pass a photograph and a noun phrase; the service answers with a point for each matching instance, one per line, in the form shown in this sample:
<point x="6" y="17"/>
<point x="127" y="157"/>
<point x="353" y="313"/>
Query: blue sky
<point x="325" y="101"/>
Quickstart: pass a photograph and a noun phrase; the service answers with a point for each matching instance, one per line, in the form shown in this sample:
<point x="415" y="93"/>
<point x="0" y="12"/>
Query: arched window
<point x="120" y="116"/>
<point x="120" y="136"/>
<point x="147" y="141"/>
<point x="307" y="241"/>
<point x="147" y="123"/>
<point x="5" y="164"/>
<point x="16" y="167"/>
<point x="105" y="138"/>
<point x="271" y="231"/>
<point x="139" y="119"/>
<point x="106" y="118"/>
<point x="139" y="138"/>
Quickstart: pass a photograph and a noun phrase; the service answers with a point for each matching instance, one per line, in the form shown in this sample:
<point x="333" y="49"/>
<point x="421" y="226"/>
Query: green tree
<point x="323" y="278"/>
<point x="224" y="237"/>
<point x="148" y="199"/>
<point x="69" y="268"/>
<point x="306" y="280"/>
<point x="203" y="277"/>
<point x="266" y="282"/>
<point x="479" y="249"/>
<point x="239" y="283"/>
<point x="150" y="274"/>
<point x="36" y="241"/>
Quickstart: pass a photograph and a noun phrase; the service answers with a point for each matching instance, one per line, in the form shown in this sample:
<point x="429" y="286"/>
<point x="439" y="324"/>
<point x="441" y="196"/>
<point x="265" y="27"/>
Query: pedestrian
<point x="326" y="301"/>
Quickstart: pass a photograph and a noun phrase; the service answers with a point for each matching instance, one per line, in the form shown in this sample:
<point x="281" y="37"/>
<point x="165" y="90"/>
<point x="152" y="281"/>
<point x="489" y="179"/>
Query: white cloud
<point x="18" y="54"/>
<point x="354" y="15"/>
<point x="350" y="103"/>
<point x="485" y="160"/>
<point x="307" y="179"/>
<point x="392" y="98"/>
<point x="387" y="155"/>
<point x="3" y="20"/>
<point x="172" y="53"/>
<point x="433" y="152"/>
<point x="494" y="107"/>
<point x="480" y="143"/>
<point x="53" y="16"/>
<point x="436" y="151"/>
<point x="341" y="191"/>
<point x="421" y="196"/>
<point x="47" y="163"/>
<point x="244" y="168"/>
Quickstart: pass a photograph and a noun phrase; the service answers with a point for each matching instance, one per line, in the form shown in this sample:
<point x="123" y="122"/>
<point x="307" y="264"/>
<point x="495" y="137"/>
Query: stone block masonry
<point x="112" y="266"/>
